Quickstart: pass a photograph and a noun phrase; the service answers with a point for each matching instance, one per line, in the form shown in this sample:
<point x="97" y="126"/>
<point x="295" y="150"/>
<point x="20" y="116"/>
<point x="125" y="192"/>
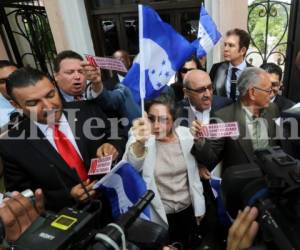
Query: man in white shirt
<point x="199" y="102"/>
<point x="225" y="74"/>
<point x="53" y="146"/>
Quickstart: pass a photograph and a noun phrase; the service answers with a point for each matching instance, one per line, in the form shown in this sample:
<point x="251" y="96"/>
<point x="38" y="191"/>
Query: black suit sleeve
<point x="110" y="132"/>
<point x="208" y="153"/>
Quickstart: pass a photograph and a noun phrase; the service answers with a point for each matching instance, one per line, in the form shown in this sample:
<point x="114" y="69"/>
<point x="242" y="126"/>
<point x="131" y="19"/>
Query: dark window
<point x="114" y="24"/>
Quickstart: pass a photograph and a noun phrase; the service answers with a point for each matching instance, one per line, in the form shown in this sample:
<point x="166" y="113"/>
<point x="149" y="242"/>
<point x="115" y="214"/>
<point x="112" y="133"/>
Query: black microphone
<point x="113" y="233"/>
<point x="82" y="185"/>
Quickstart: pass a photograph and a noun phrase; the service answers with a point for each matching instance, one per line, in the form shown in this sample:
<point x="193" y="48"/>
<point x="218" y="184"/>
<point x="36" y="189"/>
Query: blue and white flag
<point x="208" y="34"/>
<point x="224" y="217"/>
<point x="123" y="186"/>
<point x="162" y="52"/>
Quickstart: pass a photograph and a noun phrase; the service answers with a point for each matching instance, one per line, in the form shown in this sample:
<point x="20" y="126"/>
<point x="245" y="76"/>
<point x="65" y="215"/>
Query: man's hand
<point x="93" y="74"/>
<point x="18" y="213"/>
<point x="79" y="194"/>
<point x="196" y="129"/>
<point x="243" y="230"/>
<point x="204" y="173"/>
<point x="107" y="149"/>
<point x="141" y="129"/>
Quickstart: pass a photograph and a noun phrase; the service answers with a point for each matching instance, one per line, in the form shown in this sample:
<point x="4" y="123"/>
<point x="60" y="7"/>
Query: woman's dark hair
<point x="195" y="60"/>
<point x="164" y="99"/>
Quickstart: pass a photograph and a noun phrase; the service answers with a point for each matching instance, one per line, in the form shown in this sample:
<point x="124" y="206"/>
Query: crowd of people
<point x="52" y="128"/>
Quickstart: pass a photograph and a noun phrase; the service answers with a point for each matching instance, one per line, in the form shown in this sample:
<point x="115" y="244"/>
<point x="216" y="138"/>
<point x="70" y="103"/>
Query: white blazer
<point x="146" y="166"/>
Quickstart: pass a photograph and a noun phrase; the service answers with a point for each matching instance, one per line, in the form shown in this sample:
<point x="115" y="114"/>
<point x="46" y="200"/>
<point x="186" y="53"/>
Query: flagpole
<point x="142" y="60"/>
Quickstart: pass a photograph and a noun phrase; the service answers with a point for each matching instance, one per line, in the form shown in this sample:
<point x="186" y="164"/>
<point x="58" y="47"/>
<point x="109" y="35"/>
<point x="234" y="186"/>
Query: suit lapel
<point x="220" y="79"/>
<point x="43" y="147"/>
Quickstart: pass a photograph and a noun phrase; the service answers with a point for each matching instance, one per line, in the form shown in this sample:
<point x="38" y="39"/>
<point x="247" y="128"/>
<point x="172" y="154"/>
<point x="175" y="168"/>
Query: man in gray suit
<point x="225" y="74"/>
<point x="255" y="116"/>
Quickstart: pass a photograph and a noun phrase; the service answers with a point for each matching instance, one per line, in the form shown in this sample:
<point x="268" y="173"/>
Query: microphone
<point x="113" y="234"/>
<point x="89" y="198"/>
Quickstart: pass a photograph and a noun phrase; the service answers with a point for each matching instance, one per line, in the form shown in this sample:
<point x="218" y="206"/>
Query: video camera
<point x="79" y="229"/>
<point x="272" y="184"/>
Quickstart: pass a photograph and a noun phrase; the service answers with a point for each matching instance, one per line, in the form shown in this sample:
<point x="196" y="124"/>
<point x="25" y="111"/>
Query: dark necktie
<point x="68" y="152"/>
<point x="233" y="82"/>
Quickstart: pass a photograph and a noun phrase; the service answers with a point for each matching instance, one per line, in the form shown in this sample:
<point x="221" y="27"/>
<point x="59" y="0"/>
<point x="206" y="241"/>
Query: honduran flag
<point x="208" y="34"/>
<point x="162" y="52"/>
<point x="123" y="187"/>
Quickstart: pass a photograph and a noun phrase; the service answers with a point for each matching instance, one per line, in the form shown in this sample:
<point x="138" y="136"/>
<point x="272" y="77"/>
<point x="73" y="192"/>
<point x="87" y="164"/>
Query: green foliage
<point x="267" y="22"/>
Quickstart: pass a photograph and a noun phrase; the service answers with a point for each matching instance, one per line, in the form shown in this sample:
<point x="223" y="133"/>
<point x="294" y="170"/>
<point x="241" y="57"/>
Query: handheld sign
<point x="100" y="165"/>
<point x="106" y="63"/>
<point x="219" y="130"/>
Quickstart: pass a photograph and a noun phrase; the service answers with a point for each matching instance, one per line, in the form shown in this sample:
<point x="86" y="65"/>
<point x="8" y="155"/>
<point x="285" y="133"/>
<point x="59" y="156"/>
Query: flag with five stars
<point x="162" y="52"/>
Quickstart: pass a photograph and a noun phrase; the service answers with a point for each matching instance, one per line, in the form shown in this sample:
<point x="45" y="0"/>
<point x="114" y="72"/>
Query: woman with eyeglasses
<point x="162" y="154"/>
<point x="177" y="87"/>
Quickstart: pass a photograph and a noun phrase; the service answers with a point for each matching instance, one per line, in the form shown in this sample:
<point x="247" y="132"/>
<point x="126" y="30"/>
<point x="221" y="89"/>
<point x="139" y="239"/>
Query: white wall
<point x="69" y="25"/>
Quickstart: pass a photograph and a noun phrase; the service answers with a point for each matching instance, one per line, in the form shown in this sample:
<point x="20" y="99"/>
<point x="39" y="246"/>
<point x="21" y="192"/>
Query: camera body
<point x="70" y="228"/>
<point x="272" y="184"/>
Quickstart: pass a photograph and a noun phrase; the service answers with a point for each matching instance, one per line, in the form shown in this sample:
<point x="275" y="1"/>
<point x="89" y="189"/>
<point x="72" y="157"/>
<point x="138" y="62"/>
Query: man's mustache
<point x="205" y="98"/>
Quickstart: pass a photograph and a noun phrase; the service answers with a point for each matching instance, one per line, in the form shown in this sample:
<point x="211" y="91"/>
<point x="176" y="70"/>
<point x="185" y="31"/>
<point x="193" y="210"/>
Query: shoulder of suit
<point x="226" y="112"/>
<point x="273" y="109"/>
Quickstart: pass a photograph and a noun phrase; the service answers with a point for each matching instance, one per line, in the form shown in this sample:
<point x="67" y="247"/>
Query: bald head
<point x="198" y="89"/>
<point x="196" y="79"/>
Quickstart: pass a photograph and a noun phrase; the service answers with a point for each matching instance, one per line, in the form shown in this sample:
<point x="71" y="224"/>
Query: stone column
<point x="227" y="14"/>
<point x="69" y="25"/>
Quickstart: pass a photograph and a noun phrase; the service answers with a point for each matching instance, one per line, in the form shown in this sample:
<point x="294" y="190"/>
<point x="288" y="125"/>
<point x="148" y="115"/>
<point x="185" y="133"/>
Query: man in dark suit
<point x="199" y="102"/>
<point x="53" y="146"/>
<point x="71" y="75"/>
<point x="255" y="116"/>
<point x="225" y="74"/>
<point x="275" y="75"/>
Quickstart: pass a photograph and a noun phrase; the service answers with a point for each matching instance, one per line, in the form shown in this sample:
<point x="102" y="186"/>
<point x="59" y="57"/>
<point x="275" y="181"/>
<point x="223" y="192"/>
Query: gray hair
<point x="250" y="77"/>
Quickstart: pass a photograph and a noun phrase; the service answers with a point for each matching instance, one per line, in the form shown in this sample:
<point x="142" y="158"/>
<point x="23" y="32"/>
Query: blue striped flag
<point x="123" y="187"/>
<point x="162" y="52"/>
<point x="208" y="34"/>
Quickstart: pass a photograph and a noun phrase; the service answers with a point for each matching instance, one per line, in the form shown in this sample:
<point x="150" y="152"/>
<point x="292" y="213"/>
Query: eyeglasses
<point x="159" y="119"/>
<point x="269" y="91"/>
<point x="3" y="80"/>
<point x="201" y="90"/>
<point x="185" y="70"/>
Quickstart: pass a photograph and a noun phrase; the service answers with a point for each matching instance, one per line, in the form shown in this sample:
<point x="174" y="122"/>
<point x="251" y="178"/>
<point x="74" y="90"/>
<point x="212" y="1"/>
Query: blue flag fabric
<point x="224" y="217"/>
<point x="208" y="34"/>
<point x="164" y="52"/>
<point x="123" y="187"/>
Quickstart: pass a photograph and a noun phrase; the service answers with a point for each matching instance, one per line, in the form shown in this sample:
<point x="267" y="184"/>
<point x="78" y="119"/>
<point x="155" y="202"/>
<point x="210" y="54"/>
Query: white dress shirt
<point x="203" y="116"/>
<point x="64" y="127"/>
<point x="238" y="73"/>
